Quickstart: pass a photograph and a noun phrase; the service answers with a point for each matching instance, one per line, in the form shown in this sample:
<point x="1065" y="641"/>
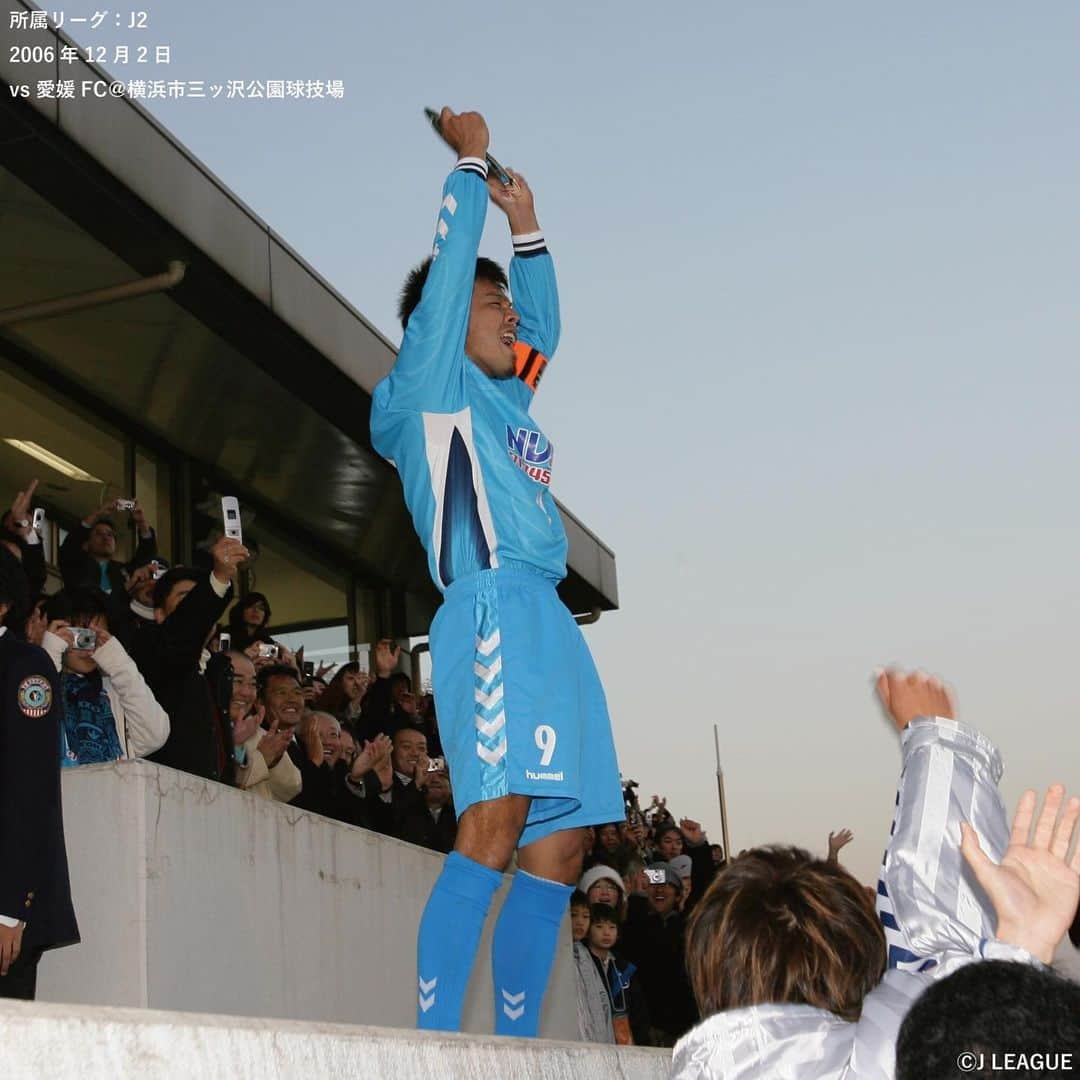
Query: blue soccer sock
<point x="449" y="936"/>
<point x="523" y="951"/>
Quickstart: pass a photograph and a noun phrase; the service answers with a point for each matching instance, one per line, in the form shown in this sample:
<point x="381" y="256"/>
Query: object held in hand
<point x="230" y="513"/>
<point x="84" y="638"/>
<point x="504" y="177"/>
<point x="125" y="504"/>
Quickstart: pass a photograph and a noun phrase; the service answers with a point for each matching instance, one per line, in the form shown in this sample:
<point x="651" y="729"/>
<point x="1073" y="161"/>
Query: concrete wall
<point x="94" y="1043"/>
<point x="196" y="897"/>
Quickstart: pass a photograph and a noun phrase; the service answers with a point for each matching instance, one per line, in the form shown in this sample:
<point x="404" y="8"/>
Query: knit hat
<point x="602" y="873"/>
<point x="681" y="865"/>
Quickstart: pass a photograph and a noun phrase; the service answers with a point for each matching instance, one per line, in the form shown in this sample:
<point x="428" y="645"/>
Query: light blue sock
<point x="449" y="936"/>
<point x="523" y="951"/>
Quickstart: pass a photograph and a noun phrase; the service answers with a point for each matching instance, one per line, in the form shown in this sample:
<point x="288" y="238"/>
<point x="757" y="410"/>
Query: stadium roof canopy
<point x="252" y="364"/>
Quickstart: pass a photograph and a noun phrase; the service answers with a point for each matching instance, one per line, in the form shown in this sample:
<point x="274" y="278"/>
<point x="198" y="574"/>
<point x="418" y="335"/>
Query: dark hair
<point x="988" y="1006"/>
<point x="333" y="699"/>
<point x="165" y="583"/>
<point x="604" y="913"/>
<point x="272" y="671"/>
<point x="412" y="290"/>
<point x="779" y="926"/>
<point x="579" y="899"/>
<point x="14" y="591"/>
<point x="104" y="521"/>
<point x="78" y="606"/>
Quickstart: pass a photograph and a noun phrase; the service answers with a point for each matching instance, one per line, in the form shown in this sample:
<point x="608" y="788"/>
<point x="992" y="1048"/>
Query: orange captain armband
<point x="529" y="364"/>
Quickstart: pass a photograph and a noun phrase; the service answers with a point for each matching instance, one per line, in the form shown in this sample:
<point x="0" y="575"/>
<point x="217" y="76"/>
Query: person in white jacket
<point x="785" y="998"/>
<point x="109" y="711"/>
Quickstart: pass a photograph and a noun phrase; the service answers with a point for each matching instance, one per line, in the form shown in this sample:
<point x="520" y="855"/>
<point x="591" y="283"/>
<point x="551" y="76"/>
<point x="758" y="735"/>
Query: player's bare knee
<point x="488" y="831"/>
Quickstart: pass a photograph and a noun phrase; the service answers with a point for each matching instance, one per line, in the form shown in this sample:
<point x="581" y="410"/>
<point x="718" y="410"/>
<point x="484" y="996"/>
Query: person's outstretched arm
<point x="532" y="282"/>
<point x="1035" y="887"/>
<point x="929" y="902"/>
<point x="428" y="375"/>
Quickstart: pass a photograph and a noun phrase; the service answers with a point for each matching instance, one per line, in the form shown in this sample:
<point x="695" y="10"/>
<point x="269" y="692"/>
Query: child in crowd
<point x="594" y="1005"/>
<point x="628" y="1021"/>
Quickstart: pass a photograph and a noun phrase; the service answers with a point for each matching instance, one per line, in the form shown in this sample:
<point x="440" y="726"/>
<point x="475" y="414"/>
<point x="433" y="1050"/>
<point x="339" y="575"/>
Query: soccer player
<point x="521" y="710"/>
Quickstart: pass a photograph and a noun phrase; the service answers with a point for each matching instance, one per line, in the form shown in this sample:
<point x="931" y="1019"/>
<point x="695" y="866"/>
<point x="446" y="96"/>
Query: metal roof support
<point x="45" y="309"/>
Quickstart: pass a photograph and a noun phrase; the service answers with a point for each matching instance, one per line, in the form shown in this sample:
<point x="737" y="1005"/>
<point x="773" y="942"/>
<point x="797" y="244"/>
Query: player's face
<point x="493" y="321"/>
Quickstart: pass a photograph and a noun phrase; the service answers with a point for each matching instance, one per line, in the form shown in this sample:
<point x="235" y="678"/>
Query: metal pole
<point x="96" y="298"/>
<point x="720" y="793"/>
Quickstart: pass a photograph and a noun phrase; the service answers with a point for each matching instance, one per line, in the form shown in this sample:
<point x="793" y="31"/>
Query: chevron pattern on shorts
<point x="489" y="713"/>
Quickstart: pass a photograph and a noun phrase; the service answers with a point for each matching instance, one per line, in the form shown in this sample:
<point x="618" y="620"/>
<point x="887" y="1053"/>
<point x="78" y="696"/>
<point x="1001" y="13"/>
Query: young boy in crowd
<point x="594" y="1004"/>
<point x="603" y="934"/>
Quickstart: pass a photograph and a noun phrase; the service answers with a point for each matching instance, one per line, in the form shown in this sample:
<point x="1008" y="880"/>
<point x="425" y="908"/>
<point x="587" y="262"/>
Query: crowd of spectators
<point x="670" y="937"/>
<point x="168" y="663"/>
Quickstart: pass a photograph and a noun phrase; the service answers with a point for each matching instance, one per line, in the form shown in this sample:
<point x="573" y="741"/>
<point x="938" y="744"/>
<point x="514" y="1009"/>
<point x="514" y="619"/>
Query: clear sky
<point x="817" y="386"/>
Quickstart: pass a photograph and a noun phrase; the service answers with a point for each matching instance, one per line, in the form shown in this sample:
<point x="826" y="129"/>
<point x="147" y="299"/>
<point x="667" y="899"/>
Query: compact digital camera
<point x="85" y="638"/>
<point x="268" y="652"/>
<point x="125" y="504"/>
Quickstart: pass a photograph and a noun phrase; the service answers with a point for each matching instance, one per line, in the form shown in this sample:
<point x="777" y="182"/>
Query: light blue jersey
<point x="475" y="467"/>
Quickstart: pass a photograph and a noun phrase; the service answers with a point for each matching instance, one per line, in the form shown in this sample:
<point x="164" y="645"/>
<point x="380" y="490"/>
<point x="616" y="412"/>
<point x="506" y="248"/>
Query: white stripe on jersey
<point x="439" y="429"/>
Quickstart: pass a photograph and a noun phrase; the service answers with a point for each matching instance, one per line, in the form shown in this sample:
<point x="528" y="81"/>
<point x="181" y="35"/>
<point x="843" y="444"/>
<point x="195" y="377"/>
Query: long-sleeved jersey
<point x="940" y="919"/>
<point x="475" y="467"/>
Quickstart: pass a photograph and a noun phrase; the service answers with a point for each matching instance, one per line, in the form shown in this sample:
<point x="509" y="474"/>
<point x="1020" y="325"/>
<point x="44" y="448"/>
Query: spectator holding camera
<point x="108" y="710"/>
<point x="169" y="653"/>
<point x="654" y="939"/>
<point x="87" y="555"/>
<point x="433" y="824"/>
<point x="23" y="540"/>
<point x="140" y="590"/>
<point x="262" y="765"/>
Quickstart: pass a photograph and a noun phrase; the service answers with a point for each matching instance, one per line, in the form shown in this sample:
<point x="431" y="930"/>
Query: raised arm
<point x="428" y="374"/>
<point x="532" y="280"/>
<point x="929" y="902"/>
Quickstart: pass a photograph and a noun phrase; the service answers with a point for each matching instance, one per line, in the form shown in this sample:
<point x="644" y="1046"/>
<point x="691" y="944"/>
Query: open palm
<point x="1035" y="887"/>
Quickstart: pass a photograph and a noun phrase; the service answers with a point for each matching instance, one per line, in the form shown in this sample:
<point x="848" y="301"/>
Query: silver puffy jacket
<point x="935" y="915"/>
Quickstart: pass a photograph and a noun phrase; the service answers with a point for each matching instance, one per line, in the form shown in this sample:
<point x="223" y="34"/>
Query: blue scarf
<point x="89" y="733"/>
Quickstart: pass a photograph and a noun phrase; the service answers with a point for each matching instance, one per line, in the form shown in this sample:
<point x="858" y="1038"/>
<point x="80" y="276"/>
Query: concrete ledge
<point x="87" y="1042"/>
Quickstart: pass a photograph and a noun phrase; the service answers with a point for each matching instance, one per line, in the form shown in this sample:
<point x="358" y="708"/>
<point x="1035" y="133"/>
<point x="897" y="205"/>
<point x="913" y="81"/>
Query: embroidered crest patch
<point x="35" y="696"/>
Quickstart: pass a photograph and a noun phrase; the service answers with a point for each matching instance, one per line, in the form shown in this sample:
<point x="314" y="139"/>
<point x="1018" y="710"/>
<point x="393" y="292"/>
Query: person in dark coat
<point x="433" y="823"/>
<point x="169" y="653"/>
<point x="87" y="557"/>
<point x="35" y="895"/>
<point x="654" y="938"/>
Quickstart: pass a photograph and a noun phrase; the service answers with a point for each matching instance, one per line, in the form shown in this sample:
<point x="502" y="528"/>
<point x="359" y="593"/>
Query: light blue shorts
<point x="520" y="707"/>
